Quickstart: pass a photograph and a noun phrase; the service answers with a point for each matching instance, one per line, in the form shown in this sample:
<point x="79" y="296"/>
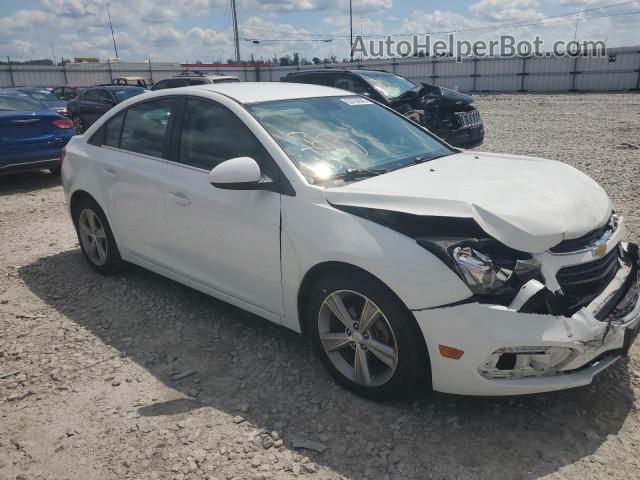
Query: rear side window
<point x="194" y="81"/>
<point x="90" y="96"/>
<point x="212" y="134"/>
<point x="145" y="127"/>
<point x="112" y="131"/>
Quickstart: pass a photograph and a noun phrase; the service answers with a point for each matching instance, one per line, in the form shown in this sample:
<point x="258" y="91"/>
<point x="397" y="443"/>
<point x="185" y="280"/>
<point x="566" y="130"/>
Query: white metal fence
<point x="619" y="71"/>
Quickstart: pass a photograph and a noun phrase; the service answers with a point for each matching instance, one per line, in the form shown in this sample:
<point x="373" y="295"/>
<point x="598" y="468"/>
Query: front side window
<point x="145" y="127"/>
<point x="212" y="134"/>
<point x="337" y="138"/>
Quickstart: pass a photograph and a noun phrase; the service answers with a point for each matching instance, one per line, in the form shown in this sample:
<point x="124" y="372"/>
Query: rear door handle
<point x="110" y="173"/>
<point x="180" y="198"/>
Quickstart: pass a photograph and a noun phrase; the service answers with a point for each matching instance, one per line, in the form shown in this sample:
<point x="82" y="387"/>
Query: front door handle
<point x="108" y="172"/>
<point x="180" y="198"/>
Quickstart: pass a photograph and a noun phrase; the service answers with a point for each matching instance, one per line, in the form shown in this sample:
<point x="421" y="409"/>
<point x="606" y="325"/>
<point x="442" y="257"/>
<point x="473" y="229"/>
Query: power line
<point x="484" y="27"/>
<point x="495" y="27"/>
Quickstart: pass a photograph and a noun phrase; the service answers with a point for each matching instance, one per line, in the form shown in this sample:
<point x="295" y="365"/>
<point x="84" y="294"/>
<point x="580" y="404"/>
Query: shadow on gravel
<point x="27" y="182"/>
<point x="218" y="355"/>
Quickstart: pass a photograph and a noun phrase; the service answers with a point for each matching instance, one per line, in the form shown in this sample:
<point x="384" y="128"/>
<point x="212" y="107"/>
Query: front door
<point x="228" y="240"/>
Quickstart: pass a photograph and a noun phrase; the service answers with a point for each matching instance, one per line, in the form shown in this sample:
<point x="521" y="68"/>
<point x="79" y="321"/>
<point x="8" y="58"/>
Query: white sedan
<point x="406" y="261"/>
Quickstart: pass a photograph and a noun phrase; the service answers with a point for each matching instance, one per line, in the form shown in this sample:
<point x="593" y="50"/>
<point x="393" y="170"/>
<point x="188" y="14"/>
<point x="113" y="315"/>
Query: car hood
<point x="527" y="203"/>
<point x="447" y="95"/>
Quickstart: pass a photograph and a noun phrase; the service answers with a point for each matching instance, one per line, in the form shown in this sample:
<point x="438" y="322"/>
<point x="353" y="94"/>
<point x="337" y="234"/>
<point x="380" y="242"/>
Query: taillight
<point x="63" y="152"/>
<point x="63" y="123"/>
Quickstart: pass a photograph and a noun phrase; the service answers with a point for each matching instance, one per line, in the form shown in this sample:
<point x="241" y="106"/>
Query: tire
<point x="397" y="367"/>
<point x="104" y="258"/>
<point x="77" y="121"/>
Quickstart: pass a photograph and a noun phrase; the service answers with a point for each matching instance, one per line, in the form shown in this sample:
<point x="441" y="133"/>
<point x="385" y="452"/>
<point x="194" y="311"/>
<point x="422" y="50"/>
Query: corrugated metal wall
<point x="617" y="72"/>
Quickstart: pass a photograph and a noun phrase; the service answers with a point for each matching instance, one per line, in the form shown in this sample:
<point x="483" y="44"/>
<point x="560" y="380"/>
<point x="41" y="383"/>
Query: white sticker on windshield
<point x="355" y="101"/>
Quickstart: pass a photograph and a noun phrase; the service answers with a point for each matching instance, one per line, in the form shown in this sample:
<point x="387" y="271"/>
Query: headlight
<point x="479" y="271"/>
<point x="485" y="265"/>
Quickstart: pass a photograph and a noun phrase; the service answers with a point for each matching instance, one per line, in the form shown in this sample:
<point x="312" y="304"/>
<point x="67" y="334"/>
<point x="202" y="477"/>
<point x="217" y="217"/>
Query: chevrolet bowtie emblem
<point x="599" y="250"/>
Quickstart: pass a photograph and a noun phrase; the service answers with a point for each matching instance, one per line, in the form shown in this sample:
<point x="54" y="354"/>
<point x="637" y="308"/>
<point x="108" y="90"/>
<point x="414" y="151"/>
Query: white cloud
<point x="506" y="10"/>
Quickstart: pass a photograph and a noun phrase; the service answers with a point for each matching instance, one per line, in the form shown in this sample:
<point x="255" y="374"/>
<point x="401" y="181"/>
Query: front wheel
<point x="366" y="337"/>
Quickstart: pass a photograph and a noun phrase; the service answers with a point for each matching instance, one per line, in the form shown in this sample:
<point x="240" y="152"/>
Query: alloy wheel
<point x="357" y="338"/>
<point x="93" y="237"/>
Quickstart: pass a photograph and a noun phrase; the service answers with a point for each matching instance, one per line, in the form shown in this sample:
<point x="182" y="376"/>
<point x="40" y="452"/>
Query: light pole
<point x="113" y="37"/>
<point x="235" y="30"/>
<point x="351" y="30"/>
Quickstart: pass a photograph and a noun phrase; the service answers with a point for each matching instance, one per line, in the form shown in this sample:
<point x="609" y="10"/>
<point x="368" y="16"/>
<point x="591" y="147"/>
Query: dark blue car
<point x="45" y="96"/>
<point x="31" y="134"/>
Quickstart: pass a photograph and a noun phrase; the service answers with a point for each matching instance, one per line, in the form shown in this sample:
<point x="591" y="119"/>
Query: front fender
<point x="314" y="232"/>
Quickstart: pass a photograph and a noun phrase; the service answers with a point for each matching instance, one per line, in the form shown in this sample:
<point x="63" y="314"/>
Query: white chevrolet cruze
<point x="405" y="260"/>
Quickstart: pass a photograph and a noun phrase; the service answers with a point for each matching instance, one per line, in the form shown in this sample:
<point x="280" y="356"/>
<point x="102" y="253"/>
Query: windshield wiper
<point x="422" y="159"/>
<point x="353" y="173"/>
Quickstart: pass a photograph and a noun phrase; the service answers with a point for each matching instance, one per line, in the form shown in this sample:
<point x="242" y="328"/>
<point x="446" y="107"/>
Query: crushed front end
<point x="542" y="322"/>
<point x="448" y="114"/>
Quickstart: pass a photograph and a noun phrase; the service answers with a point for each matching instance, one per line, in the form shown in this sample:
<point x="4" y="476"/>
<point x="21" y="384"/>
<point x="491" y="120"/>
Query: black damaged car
<point x="449" y="114"/>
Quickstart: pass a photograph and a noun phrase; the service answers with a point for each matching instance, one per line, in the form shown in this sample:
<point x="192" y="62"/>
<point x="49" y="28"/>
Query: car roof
<point x="336" y="70"/>
<point x="255" y="92"/>
<point x="117" y="87"/>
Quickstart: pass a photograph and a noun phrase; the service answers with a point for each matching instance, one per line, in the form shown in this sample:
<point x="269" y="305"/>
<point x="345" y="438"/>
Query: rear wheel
<point x="366" y="337"/>
<point x="96" y="239"/>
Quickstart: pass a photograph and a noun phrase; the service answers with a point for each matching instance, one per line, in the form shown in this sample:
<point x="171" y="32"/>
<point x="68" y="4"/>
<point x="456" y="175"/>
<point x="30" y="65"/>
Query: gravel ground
<point x="135" y="376"/>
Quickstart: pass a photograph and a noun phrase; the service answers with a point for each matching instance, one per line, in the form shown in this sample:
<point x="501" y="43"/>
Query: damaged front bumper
<point x="508" y="352"/>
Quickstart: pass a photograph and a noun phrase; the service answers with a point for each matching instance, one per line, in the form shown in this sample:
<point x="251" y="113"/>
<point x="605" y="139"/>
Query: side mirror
<point x="241" y="173"/>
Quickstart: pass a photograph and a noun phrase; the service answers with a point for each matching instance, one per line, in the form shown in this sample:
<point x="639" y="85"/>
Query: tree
<point x="316" y="61"/>
<point x="296" y="58"/>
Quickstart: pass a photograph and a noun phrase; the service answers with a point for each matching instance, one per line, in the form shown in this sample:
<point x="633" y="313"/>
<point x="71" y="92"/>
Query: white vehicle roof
<point x="254" y="92"/>
<point x="218" y="77"/>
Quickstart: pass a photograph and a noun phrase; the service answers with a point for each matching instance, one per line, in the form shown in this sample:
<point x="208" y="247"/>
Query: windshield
<point x="43" y="96"/>
<point x="330" y="137"/>
<point x="388" y="84"/>
<point x="126" y="93"/>
<point x="20" y="103"/>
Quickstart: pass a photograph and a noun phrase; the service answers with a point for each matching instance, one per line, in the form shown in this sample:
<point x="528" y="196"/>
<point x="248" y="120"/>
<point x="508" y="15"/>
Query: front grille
<point x="582" y="283"/>
<point x="583" y="242"/>
<point x="469" y="119"/>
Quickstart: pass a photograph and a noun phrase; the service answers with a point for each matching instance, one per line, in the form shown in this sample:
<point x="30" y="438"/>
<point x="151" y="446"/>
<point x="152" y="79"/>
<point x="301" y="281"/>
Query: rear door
<point x="133" y="172"/>
<point x="102" y="102"/>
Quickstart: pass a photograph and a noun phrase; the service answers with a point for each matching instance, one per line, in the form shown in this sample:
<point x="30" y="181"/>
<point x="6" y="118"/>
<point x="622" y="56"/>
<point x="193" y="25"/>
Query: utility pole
<point x="235" y="30"/>
<point x="53" y="53"/>
<point x="575" y="33"/>
<point x="113" y="37"/>
<point x="351" y="30"/>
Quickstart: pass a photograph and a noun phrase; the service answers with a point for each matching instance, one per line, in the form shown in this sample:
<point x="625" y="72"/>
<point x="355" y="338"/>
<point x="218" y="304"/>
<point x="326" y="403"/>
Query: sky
<point x="185" y="31"/>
